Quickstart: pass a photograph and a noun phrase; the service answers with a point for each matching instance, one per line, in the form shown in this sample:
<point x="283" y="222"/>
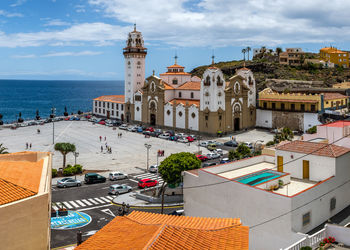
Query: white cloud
<point x="234" y="22"/>
<point x="80" y="8"/>
<point x="23" y="56"/>
<point x="81" y="53"/>
<point x="18" y="3"/>
<point x="8" y="14"/>
<point x="56" y="22"/>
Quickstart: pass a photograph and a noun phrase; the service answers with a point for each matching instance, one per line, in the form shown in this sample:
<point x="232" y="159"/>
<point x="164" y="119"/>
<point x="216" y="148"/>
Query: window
<point x="207" y="81"/>
<point x="273" y="105"/>
<point x="306" y="218"/>
<point x="332" y="104"/>
<point x="333" y="203"/>
<point x="180" y="95"/>
<point x="220" y="117"/>
<point x="174" y="81"/>
<point x="138" y="98"/>
<point x="313" y="107"/>
<point x="265" y="105"/>
<point x="218" y="81"/>
<point x="117" y="113"/>
<point x="95" y="110"/>
<point x="95" y="103"/>
<point x="326" y="102"/>
<point x="137" y="109"/>
<point x="193" y="115"/>
<point x="112" y="112"/>
<point x="302" y="107"/>
<point x="192" y="95"/>
<point x="342" y="103"/>
<point x="107" y="104"/>
<point x="104" y="105"/>
<point x="292" y="106"/>
<point x="168" y="112"/>
<point x="99" y="110"/>
<point x="112" y="105"/>
<point x="104" y="111"/>
<point x="99" y="104"/>
<point x="117" y="107"/>
<point x="206" y="118"/>
<point x="282" y="106"/>
<point x="122" y="106"/>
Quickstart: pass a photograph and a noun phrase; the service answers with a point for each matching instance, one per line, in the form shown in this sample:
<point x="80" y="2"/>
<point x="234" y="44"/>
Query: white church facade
<point x="177" y="100"/>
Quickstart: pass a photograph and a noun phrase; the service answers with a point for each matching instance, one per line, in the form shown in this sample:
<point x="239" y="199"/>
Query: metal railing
<point x="309" y="240"/>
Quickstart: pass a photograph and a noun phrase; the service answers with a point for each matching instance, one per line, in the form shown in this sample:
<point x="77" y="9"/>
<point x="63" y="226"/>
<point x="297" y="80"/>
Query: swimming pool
<point x="258" y="177"/>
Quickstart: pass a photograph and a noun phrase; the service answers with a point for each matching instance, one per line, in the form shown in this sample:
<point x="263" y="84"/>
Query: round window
<point x="193" y="115"/>
<point x="168" y="112"/>
<point x="206" y="93"/>
<point x="137" y="109"/>
<point x="180" y="113"/>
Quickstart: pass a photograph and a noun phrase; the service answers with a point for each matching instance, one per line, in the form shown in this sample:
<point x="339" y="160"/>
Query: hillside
<point x="270" y="70"/>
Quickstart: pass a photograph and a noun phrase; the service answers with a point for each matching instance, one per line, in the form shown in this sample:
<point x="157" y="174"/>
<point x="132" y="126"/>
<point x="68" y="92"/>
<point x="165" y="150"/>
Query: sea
<point x="28" y="96"/>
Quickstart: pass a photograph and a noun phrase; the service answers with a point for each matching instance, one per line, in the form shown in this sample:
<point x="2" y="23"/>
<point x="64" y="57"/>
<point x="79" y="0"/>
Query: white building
<point x="315" y="180"/>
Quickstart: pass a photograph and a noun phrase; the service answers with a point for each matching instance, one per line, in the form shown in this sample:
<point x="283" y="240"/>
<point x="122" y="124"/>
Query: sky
<point x="83" y="39"/>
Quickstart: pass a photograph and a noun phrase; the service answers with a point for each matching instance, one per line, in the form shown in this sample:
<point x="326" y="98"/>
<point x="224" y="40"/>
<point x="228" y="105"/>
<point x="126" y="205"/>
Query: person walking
<point x="101" y="149"/>
<point x="100" y="138"/>
<point x="26" y="145"/>
<point x="105" y="138"/>
<point x="110" y="150"/>
<point x="30" y="145"/>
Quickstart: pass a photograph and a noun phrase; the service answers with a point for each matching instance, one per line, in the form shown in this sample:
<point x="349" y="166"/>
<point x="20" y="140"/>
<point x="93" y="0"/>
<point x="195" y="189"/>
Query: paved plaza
<point x="128" y="155"/>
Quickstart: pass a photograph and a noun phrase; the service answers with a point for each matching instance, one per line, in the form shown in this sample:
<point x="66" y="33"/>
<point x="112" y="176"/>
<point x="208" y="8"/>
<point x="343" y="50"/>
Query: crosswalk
<point x="149" y="176"/>
<point x="76" y="204"/>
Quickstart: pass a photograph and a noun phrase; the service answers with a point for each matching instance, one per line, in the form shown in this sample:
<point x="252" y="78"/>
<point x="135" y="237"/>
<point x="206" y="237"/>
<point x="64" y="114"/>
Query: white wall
<point x="341" y="234"/>
<point x="321" y="167"/>
<point x="138" y="114"/>
<point x="256" y="208"/>
<point x="193" y="122"/>
<point x="310" y="120"/>
<point x="186" y="94"/>
<point x="168" y="119"/>
<point x="169" y="95"/>
<point x="264" y="118"/>
<point x="181" y="79"/>
<point x="180" y="120"/>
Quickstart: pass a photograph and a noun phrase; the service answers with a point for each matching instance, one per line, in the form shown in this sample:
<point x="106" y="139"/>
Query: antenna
<point x="175" y="57"/>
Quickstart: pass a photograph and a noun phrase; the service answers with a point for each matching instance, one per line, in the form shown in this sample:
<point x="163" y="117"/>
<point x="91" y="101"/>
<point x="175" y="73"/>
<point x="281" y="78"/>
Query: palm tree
<point x="65" y="111"/>
<point x="65" y="148"/>
<point x="1" y="122"/>
<point x="244" y="51"/>
<point x="3" y="150"/>
<point x="248" y="49"/>
<point x="262" y="51"/>
<point x="278" y="51"/>
<point x="20" y="119"/>
<point x="37" y="115"/>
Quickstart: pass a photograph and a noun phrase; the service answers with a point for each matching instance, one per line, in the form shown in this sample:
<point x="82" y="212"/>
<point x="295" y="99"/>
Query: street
<point x="94" y="201"/>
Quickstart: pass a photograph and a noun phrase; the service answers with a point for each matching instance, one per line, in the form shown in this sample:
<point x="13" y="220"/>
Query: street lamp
<point x="76" y="154"/>
<point x="53" y="110"/>
<point x="148" y="146"/>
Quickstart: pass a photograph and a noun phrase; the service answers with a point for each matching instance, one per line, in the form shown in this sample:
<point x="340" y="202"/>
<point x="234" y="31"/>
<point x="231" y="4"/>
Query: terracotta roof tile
<point x="190" y="86"/>
<point x="175" y="73"/>
<point x="314" y="148"/>
<point x="183" y="101"/>
<point x="111" y="98"/>
<point x="176" y="66"/>
<point x="331" y="96"/>
<point x="338" y="124"/>
<point x="167" y="86"/>
<point x="10" y="192"/>
<point x="141" y="230"/>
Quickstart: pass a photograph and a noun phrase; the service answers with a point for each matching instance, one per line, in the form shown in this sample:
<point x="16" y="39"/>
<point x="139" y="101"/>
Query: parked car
<point x="184" y="140"/>
<point x="139" y="130"/>
<point x="190" y="138"/>
<point x="203" y="144"/>
<point x="231" y="144"/>
<point x="67" y="118"/>
<point x="153" y="169"/>
<point x="117" y="189"/>
<point x="202" y="157"/>
<point x="211" y="146"/>
<point x="150" y="129"/>
<point x="213" y="155"/>
<point x="170" y="132"/>
<point x="147" y="132"/>
<point x="225" y="160"/>
<point x="219" y="143"/>
<point x="219" y="151"/>
<point x="173" y="138"/>
<point x="194" y="137"/>
<point x="94" y="178"/>
<point x="208" y="164"/>
<point x="102" y="122"/>
<point x="68" y="182"/>
<point x="147" y="183"/>
<point x="248" y="144"/>
<point x="132" y="129"/>
<point x="117" y="176"/>
<point x="164" y="136"/>
<point x="124" y="126"/>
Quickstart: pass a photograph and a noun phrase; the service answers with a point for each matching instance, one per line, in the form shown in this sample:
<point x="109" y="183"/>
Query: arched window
<point x="138" y="63"/>
<point x="174" y="81"/>
<point x="192" y="95"/>
<point x="218" y="81"/>
<point x="207" y="81"/>
<point x="250" y="81"/>
<point x="180" y="95"/>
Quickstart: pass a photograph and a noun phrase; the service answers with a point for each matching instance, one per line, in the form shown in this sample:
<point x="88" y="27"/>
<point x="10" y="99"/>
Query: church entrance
<point x="236" y="124"/>
<point x="153" y="119"/>
<point x="122" y="117"/>
<point x="108" y="114"/>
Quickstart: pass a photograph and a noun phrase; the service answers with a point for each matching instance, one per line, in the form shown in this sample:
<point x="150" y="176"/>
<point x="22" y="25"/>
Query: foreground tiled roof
<point x="167" y="86"/>
<point x="314" y="148"/>
<point x="183" y="101"/>
<point x="331" y="96"/>
<point x="190" y="86"/>
<point x="111" y="98"/>
<point x="141" y="230"/>
<point x="10" y="192"/>
<point x="337" y="124"/>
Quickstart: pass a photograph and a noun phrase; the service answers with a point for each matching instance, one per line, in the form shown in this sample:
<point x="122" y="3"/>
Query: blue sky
<point x="83" y="39"/>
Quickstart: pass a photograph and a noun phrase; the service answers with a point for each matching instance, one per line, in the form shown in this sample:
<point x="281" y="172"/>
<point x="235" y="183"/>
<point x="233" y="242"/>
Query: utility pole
<point x="148" y="146"/>
<point x="53" y="110"/>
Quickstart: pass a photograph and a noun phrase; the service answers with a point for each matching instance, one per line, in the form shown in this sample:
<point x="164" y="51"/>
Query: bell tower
<point x="134" y="54"/>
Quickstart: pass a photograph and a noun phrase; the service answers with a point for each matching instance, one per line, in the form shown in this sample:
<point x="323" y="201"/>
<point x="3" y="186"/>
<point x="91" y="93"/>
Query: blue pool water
<point x="259" y="177"/>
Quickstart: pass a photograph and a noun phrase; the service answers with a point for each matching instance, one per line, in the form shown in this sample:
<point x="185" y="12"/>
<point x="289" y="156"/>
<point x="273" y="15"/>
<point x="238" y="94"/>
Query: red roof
<point x="331" y="96"/>
<point x="314" y="148"/>
<point x="176" y="66"/>
<point x="337" y="124"/>
<point x="190" y="86"/>
<point x="111" y="98"/>
<point x="183" y="101"/>
<point x="287" y="100"/>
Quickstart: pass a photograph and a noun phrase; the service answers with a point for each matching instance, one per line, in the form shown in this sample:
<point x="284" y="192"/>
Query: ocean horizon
<point x="27" y="96"/>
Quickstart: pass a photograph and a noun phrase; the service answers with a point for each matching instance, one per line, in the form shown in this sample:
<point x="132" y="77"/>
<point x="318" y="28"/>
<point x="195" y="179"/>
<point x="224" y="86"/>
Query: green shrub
<point x="78" y="169"/>
<point x="231" y="154"/>
<point x="306" y="248"/>
<point x="312" y="130"/>
<point x="68" y="171"/>
<point x="54" y="173"/>
<point x="270" y="143"/>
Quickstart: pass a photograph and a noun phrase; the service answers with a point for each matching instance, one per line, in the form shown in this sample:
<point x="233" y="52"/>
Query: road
<point x="95" y="201"/>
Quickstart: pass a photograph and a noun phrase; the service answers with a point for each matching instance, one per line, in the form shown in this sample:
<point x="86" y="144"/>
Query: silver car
<point x="119" y="189"/>
<point x="68" y="182"/>
<point x="153" y="169"/>
<point x="117" y="176"/>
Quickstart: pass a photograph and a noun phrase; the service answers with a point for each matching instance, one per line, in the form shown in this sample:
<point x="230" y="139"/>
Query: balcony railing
<point x="309" y="240"/>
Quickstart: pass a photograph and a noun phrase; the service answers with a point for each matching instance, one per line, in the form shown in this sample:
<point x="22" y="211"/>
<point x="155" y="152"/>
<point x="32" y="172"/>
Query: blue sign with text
<point x="71" y="221"/>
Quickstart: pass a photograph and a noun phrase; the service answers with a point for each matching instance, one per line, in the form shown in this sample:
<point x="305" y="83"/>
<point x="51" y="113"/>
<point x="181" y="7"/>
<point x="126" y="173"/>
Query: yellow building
<point x="25" y="200"/>
<point x="342" y="85"/>
<point x="301" y="102"/>
<point x="333" y="55"/>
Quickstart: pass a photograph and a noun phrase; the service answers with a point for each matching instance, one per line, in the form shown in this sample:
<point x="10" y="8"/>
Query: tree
<point x="278" y="51"/>
<point x="244" y="51"/>
<point x="285" y="135"/>
<point x="263" y="51"/>
<point x="231" y="154"/>
<point x="65" y="148"/>
<point x="242" y="151"/>
<point x="171" y="168"/>
<point x="3" y="150"/>
<point x="248" y="49"/>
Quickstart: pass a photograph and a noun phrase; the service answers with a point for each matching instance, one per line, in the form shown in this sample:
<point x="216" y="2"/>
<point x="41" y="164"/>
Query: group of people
<point x="28" y="145"/>
<point x="160" y="152"/>
<point x="119" y="135"/>
<point x="109" y="149"/>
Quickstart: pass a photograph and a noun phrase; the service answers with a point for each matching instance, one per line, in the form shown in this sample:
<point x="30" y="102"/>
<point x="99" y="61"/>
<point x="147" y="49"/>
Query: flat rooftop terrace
<point x="247" y="170"/>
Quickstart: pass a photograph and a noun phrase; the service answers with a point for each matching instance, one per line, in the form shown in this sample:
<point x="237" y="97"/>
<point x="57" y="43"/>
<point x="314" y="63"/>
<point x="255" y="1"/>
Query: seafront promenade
<point x="129" y="154"/>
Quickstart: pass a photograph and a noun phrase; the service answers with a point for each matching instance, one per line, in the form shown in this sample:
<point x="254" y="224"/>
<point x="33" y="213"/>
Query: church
<point x="177" y="100"/>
